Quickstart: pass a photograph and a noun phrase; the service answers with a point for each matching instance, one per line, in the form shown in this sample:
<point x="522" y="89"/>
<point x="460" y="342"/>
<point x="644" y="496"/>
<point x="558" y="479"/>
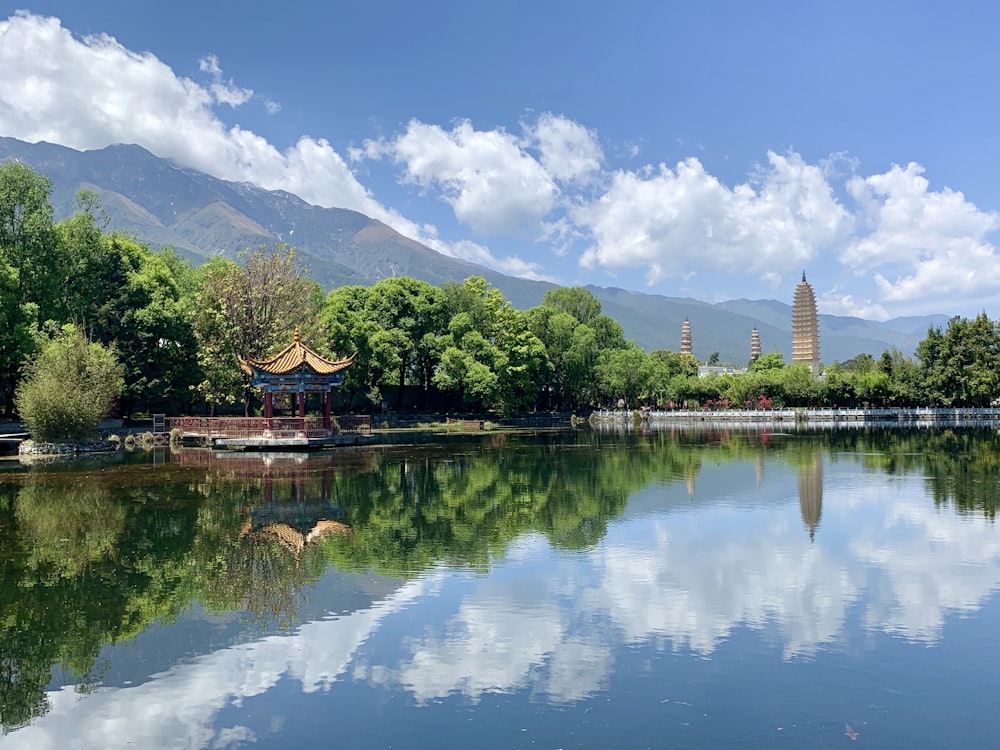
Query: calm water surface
<point x="561" y="590"/>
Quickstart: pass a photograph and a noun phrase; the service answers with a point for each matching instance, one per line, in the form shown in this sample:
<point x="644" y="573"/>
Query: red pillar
<point x="268" y="405"/>
<point x="302" y="404"/>
<point x="327" y="398"/>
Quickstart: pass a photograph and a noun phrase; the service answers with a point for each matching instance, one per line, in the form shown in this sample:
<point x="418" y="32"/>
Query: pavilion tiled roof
<point x="293" y="357"/>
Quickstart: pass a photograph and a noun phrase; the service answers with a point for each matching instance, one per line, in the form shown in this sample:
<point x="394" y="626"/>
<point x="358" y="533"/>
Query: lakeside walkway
<point x="809" y="417"/>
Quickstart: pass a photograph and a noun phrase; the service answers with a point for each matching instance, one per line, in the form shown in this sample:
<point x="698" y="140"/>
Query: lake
<point x="564" y="589"/>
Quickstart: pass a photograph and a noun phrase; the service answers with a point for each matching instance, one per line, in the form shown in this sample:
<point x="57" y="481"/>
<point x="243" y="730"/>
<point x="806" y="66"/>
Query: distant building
<point x="686" y="337"/>
<point x="805" y="327"/>
<point x="705" y="370"/>
<point x="754" y="345"/>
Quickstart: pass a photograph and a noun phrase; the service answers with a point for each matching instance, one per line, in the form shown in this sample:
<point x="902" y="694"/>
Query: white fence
<point x="807" y="416"/>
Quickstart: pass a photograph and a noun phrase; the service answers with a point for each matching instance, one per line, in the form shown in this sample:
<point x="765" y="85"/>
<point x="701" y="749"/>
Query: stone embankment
<point x="805" y="417"/>
<point x="32" y="448"/>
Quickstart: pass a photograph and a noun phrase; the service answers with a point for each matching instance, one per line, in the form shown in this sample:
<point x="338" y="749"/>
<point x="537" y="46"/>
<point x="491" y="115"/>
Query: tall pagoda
<point x="805" y="327"/>
<point x="754" y="345"/>
<point x="686" y="337"/>
<point x="296" y="369"/>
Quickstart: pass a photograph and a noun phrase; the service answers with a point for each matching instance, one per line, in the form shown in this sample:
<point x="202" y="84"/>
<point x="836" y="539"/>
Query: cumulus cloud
<point x="498" y="183"/>
<point x="490" y="182"/>
<point x="928" y="244"/>
<point x="568" y="151"/>
<point x="677" y="221"/>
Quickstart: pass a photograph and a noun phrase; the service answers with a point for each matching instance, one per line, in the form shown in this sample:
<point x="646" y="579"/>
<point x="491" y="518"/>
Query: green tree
<point x="27" y="236"/>
<point x="393" y="329"/>
<point x="69" y="387"/>
<point x="29" y="269"/>
<point x="154" y="337"/>
<point x="572" y="348"/>
<point x="18" y="323"/>
<point x="576" y="301"/>
<point x="961" y="365"/>
<point x="94" y="270"/>
<point x="410" y="315"/>
<point x="623" y="374"/>
<point x="769" y="361"/>
<point x="351" y="330"/>
<point x="863" y="362"/>
<point x="489" y="356"/>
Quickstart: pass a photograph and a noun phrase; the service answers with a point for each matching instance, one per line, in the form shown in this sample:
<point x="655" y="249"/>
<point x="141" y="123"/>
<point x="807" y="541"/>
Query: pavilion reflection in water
<point x="294" y="514"/>
<point x="297" y="505"/>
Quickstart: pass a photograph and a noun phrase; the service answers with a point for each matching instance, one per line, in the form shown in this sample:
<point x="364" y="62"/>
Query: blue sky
<point x="711" y="150"/>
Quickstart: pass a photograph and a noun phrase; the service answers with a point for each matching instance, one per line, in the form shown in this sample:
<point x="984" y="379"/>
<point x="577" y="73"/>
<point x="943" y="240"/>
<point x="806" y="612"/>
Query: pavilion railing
<point x="270" y="427"/>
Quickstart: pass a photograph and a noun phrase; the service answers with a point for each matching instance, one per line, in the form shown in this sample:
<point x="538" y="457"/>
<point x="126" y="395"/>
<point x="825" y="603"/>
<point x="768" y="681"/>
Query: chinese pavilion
<point x="296" y="369"/>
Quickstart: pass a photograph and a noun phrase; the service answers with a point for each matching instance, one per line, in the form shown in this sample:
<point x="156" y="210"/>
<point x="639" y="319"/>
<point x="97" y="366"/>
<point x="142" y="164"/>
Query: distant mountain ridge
<point x="202" y="216"/>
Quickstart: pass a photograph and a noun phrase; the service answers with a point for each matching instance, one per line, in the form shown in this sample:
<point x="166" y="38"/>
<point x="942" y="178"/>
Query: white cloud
<point x="683" y="220"/>
<point x="568" y="151"/>
<point x="965" y="270"/>
<point x="473" y="252"/>
<point x="224" y="92"/>
<point x="491" y="184"/>
<point x="933" y="245"/>
<point x="836" y="302"/>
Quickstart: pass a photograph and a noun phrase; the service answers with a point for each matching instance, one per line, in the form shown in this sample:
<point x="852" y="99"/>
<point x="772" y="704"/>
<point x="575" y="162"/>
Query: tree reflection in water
<point x="92" y="557"/>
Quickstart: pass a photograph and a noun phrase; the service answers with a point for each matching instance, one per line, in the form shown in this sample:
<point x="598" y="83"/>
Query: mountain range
<point x="201" y="216"/>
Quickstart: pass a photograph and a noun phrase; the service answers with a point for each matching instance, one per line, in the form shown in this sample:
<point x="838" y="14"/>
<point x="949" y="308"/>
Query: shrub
<point x="68" y="388"/>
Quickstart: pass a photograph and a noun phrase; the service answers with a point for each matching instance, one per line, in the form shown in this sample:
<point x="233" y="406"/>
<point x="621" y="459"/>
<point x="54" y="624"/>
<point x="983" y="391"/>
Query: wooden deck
<point x="268" y="433"/>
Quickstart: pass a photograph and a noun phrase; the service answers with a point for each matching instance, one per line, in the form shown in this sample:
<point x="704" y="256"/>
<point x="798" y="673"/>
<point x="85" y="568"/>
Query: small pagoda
<point x="299" y="370"/>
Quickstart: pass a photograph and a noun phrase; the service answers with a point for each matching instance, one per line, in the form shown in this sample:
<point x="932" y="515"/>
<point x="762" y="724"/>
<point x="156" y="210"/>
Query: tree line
<point x="174" y="334"/>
